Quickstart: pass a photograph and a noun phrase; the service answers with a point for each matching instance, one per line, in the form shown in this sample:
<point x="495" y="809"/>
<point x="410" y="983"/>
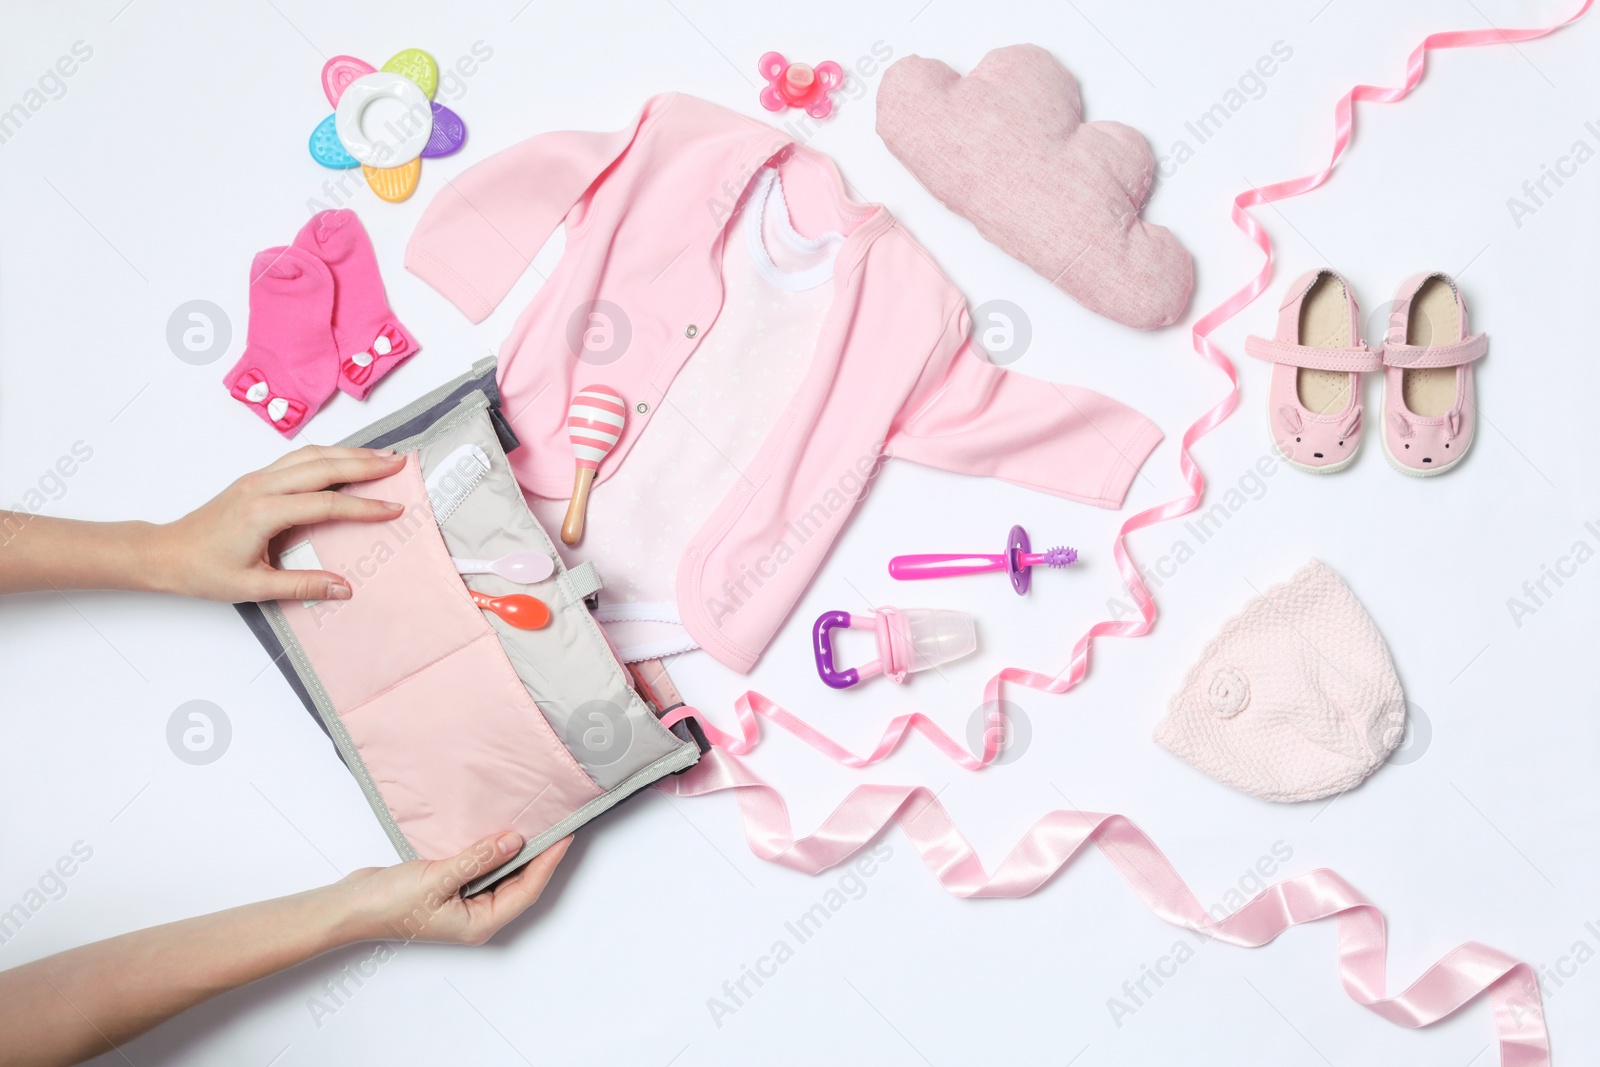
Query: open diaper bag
<point x="455" y="724"/>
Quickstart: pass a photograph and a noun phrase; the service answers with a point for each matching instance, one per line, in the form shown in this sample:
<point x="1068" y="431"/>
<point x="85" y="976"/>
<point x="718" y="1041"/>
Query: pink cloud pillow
<point x="1007" y="148"/>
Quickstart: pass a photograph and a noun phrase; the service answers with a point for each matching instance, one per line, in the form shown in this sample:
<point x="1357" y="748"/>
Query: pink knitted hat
<point x="1295" y="699"/>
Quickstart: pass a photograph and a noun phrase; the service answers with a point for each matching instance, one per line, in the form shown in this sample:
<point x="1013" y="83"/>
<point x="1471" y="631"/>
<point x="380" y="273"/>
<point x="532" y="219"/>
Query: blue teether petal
<point x="327" y="149"/>
<point x="449" y="133"/>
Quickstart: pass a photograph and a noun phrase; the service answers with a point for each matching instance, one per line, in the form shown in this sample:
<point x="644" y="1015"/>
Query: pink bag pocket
<point x="447" y="733"/>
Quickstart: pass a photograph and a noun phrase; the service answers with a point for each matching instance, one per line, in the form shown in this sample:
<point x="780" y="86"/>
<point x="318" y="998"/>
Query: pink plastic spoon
<point x="523" y="567"/>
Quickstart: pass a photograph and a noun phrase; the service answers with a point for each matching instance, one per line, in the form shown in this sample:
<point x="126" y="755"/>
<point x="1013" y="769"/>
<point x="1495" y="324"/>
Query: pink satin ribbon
<point x="1051" y="843"/>
<point x="1461" y="976"/>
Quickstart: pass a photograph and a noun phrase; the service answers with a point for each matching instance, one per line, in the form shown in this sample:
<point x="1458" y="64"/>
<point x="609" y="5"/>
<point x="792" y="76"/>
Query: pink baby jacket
<point x="894" y="372"/>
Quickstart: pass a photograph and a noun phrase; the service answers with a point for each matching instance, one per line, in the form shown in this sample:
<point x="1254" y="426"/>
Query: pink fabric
<point x="1464" y="974"/>
<point x="370" y="340"/>
<point x="1007" y="148"/>
<point x="1295" y="699"/>
<point x="1419" y="444"/>
<point x="399" y="661"/>
<point x="777" y="290"/>
<point x="894" y="371"/>
<point x="1469" y="971"/>
<point x="1314" y="440"/>
<point x="288" y="368"/>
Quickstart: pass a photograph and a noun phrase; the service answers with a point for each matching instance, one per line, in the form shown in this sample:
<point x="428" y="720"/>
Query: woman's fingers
<point x="481" y="857"/>
<point x="320" y="471"/>
<point x="298" y="585"/>
<point x="302" y="509"/>
<point x="310" y="452"/>
<point x="516" y="894"/>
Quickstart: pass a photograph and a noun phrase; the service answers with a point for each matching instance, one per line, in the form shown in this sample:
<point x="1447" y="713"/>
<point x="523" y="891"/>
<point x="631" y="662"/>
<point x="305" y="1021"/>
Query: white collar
<point x="767" y="194"/>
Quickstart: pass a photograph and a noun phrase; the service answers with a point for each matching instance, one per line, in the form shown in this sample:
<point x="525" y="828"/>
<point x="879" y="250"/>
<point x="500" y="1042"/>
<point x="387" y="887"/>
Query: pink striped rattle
<point x="594" y="423"/>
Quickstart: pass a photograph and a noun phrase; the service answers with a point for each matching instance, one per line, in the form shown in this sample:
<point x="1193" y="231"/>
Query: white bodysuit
<point x="776" y="292"/>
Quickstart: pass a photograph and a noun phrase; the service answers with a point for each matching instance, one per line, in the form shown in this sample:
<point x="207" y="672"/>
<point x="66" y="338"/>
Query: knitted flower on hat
<point x="1295" y="699"/>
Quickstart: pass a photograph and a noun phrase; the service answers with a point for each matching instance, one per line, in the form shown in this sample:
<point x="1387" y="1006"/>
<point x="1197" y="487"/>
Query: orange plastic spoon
<point x="518" y="609"/>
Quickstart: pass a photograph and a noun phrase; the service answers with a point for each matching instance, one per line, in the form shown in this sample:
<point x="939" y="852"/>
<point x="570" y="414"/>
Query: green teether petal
<point x="417" y="65"/>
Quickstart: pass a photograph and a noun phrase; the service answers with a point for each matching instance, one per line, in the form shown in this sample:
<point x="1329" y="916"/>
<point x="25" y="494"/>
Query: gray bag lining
<point x="567" y="665"/>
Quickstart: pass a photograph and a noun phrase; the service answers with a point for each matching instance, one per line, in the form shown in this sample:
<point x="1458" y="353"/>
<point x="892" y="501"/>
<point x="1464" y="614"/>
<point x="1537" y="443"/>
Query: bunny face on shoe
<point x="1427" y="444"/>
<point x="1315" y="441"/>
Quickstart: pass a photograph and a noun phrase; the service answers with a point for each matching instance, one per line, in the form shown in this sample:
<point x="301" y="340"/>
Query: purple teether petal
<point x="449" y="133"/>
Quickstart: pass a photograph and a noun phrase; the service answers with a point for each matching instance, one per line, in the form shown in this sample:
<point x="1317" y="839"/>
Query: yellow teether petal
<point x="394" y="184"/>
<point x="417" y="65"/>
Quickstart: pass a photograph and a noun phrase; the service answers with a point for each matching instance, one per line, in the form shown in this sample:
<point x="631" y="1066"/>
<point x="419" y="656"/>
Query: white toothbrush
<point x="453" y="480"/>
<point x="524" y="567"/>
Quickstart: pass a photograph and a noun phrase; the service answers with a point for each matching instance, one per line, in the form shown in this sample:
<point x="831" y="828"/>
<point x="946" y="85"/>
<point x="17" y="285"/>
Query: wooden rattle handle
<point x="572" y="528"/>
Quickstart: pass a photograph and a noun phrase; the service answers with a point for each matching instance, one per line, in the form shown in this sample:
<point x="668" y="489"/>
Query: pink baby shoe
<point x="1296" y="697"/>
<point x="1429" y="413"/>
<point x="370" y="339"/>
<point x="1314" y="405"/>
<point x="288" y="368"/>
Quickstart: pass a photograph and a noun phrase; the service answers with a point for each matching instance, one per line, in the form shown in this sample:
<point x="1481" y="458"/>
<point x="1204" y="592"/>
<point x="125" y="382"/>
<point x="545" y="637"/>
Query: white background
<point x="178" y="150"/>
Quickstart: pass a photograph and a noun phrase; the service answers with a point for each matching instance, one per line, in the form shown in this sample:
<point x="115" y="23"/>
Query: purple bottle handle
<point x="822" y="648"/>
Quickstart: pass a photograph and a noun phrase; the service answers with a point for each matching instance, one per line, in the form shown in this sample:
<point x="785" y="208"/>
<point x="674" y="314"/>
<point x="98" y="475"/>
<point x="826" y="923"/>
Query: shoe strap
<point x="1293" y="355"/>
<point x="1412" y="356"/>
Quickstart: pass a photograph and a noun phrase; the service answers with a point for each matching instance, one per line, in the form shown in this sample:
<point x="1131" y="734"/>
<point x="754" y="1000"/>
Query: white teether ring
<point x="398" y="143"/>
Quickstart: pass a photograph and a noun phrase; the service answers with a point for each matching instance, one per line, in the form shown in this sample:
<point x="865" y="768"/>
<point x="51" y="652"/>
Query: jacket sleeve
<point x="483" y="229"/>
<point x="969" y="416"/>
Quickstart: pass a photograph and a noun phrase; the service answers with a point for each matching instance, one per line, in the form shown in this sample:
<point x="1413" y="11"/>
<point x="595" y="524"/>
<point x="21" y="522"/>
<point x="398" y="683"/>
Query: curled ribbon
<point x="1461" y="976"/>
<point x="1470" y="970"/>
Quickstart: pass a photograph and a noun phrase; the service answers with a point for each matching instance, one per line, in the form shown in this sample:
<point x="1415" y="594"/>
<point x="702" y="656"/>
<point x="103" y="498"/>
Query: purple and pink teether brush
<point x="1017" y="560"/>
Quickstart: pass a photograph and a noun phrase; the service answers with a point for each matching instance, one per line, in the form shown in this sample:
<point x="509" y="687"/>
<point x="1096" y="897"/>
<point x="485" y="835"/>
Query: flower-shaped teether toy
<point x="385" y="121"/>
<point x="799" y="85"/>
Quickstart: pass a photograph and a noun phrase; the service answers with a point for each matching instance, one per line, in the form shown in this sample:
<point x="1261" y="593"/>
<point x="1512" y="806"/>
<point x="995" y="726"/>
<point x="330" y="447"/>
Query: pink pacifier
<point x="910" y="639"/>
<point x="799" y="85"/>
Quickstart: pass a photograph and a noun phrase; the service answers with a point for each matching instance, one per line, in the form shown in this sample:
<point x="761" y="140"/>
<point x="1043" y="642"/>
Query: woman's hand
<point x="419" y="901"/>
<point x="85" y="1001"/>
<point x="216" y="552"/>
<point x="219" y="550"/>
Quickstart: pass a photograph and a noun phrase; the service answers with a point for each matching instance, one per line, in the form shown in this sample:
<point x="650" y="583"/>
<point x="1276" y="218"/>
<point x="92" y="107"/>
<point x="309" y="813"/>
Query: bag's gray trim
<point x="585" y="580"/>
<point x="335" y="728"/>
<point x="382" y="434"/>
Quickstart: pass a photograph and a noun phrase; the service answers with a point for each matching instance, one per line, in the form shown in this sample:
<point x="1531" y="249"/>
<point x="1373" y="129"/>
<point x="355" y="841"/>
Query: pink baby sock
<point x="288" y="369"/>
<point x="370" y="339"/>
